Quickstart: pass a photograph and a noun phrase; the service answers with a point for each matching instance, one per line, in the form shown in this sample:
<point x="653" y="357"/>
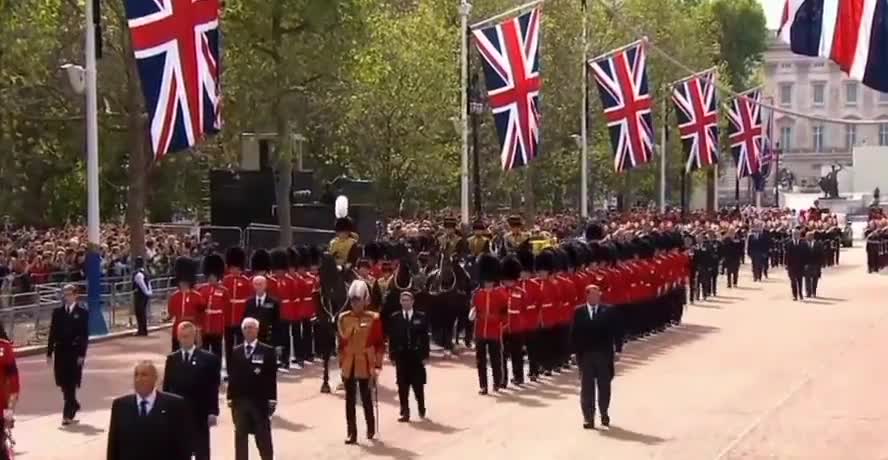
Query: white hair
<point x="358" y="290"/>
<point x="259" y="278"/>
<point x="249" y="321"/>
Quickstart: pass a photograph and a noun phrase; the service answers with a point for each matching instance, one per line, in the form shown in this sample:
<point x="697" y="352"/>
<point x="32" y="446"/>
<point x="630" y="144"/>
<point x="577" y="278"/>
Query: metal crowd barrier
<point x="262" y="236"/>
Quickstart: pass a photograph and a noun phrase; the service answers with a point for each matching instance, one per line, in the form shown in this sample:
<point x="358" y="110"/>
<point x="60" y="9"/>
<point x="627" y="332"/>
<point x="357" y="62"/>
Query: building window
<point x="851" y="94"/>
<point x="850" y="135"/>
<point x="818" y="90"/>
<point x="785" y="138"/>
<point x="817" y="132"/>
<point x="883" y="98"/>
<point x="786" y="94"/>
<point x="883" y="134"/>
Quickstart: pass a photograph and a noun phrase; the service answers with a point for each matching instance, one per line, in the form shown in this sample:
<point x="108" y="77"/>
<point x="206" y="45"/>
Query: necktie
<point x="249" y="350"/>
<point x="143" y="408"/>
<point x="186" y="356"/>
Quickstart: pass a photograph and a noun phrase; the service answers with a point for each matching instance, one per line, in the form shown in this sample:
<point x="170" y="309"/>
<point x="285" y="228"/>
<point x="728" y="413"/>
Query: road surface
<point x="749" y="375"/>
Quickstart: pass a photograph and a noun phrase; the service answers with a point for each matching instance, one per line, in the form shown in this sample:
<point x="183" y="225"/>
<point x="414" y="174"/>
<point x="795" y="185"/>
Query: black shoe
<point x="482" y="391"/>
<point x="325" y="388"/>
<point x="589" y="425"/>
<point x="351" y="440"/>
<point x="371" y="433"/>
<point x="533" y="378"/>
<point x="422" y="412"/>
<point x="605" y="421"/>
<point x="404" y="418"/>
<point x="547" y="373"/>
<point x="498" y="388"/>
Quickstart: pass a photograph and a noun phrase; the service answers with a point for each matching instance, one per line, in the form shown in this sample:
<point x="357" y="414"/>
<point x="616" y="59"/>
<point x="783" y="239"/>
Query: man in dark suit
<point x="813" y="263"/>
<point x="252" y="391"/>
<point x="758" y="247"/>
<point x="194" y="374"/>
<point x="150" y="424"/>
<point x="265" y="309"/>
<point x="409" y="349"/>
<point x="596" y="339"/>
<point x="68" y="339"/>
<point x="795" y="256"/>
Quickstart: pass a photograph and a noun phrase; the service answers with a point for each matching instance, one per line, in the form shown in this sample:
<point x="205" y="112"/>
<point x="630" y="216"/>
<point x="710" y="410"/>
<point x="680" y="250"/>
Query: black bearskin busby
<point x="344" y="224"/>
<point x="261" y="261"/>
<point x="488" y="268"/>
<point x="545" y="261"/>
<point x="213" y="265"/>
<point x="279" y="260"/>
<point x="594" y="232"/>
<point x="186" y="270"/>
<point x="235" y="257"/>
<point x="525" y="256"/>
<point x="511" y="268"/>
<point x="293" y="256"/>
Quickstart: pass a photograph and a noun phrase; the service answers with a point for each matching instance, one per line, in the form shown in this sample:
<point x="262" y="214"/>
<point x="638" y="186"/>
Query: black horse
<point x="333" y="298"/>
<point x="449" y="288"/>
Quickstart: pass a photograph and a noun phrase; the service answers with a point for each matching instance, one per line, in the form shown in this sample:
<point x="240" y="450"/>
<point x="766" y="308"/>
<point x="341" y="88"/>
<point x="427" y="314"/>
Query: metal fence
<point x="260" y="236"/>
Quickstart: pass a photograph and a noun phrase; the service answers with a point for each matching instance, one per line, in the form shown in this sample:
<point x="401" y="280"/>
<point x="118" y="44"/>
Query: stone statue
<point x="786" y="179"/>
<point x="876" y="193"/>
<point x="830" y="183"/>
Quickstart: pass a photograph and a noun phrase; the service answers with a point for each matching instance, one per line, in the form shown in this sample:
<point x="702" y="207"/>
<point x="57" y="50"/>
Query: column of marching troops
<point x="876" y="245"/>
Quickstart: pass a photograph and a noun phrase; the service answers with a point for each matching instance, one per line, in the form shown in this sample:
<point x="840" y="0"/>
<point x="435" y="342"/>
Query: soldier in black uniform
<point x="731" y="251"/>
<point x="408" y="332"/>
<point x="141" y="295"/>
<point x="873" y="248"/>
<point x="68" y="339"/>
<point x="193" y="373"/>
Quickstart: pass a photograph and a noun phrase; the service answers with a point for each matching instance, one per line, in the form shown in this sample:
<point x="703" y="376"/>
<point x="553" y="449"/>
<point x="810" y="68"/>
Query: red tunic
<point x="239" y="290"/>
<point x="290" y="303"/>
<point x="531" y="316"/>
<point x="9" y="376"/>
<point x="186" y="306"/>
<point x="279" y="289"/>
<point x="491" y="306"/>
<point x="218" y="302"/>
<point x="301" y="293"/>
<point x="311" y="305"/>
<point x="517" y="306"/>
<point x="568" y="291"/>
<point x="550" y="300"/>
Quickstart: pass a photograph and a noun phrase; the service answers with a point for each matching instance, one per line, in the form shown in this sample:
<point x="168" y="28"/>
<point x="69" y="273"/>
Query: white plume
<point x="341" y="207"/>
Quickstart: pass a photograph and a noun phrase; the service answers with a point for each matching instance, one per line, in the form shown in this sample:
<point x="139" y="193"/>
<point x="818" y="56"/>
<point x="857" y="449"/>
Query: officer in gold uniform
<point x="516" y="236"/>
<point x="344" y="247"/>
<point x="479" y="242"/>
<point x="451" y="242"/>
<point x="361" y="348"/>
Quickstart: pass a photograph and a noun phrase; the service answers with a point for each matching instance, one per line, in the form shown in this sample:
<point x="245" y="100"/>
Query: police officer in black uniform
<point x="68" y="339"/>
<point x="141" y="295"/>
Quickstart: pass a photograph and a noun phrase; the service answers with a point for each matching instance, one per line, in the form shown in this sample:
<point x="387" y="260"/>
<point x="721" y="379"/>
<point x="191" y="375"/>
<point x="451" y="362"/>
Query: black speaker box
<point x="238" y="198"/>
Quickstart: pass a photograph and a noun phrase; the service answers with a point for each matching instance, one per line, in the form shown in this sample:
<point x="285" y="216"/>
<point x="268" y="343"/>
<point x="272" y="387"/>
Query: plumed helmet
<point x="186" y="270"/>
<point x="344" y="224"/>
<point x="358" y="289"/>
<point x="545" y="261"/>
<point x="525" y="256"/>
<point x="594" y="232"/>
<point x="511" y="268"/>
<point x="488" y="268"/>
<point x="235" y="257"/>
<point x="279" y="259"/>
<point x="213" y="265"/>
<point x="261" y="261"/>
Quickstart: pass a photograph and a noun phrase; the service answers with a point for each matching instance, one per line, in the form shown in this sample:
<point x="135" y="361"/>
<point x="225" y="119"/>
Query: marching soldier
<point x="531" y="314"/>
<point x="478" y="243"/>
<point x="68" y="339"/>
<point x="239" y="290"/>
<point x="796" y="256"/>
<point x="515" y="334"/>
<point x="218" y="303"/>
<point x="361" y="348"/>
<point x="490" y="306"/>
<point x="549" y="302"/>
<point x="9" y="391"/>
<point x="516" y="236"/>
<point x="344" y="246"/>
<point x="297" y="316"/>
<point x="281" y="289"/>
<point x="186" y="304"/>
<point x="758" y="249"/>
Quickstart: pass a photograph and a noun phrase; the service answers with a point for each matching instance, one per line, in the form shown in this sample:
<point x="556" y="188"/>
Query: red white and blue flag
<point x="696" y="103"/>
<point x="623" y="86"/>
<point x="745" y="118"/>
<point x="512" y="74"/>
<point x="176" y="45"/>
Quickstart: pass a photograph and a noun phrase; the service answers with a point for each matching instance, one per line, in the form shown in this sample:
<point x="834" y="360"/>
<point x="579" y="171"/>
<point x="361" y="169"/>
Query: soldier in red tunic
<point x="218" y="302"/>
<point x="293" y="314"/>
<point x="185" y="304"/>
<point x="260" y="265"/>
<point x="306" y="292"/>
<point x="490" y="305"/>
<point x="531" y="315"/>
<point x="239" y="290"/>
<point x="514" y="337"/>
<point x="9" y="391"/>
<point x="280" y="288"/>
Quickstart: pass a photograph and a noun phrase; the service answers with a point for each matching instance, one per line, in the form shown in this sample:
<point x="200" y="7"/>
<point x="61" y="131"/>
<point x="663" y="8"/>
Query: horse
<point x="449" y="293"/>
<point x="333" y="298"/>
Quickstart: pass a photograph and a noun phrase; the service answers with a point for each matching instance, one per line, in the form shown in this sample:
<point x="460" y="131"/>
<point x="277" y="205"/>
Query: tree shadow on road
<point x="623" y="434"/>
<point x="380" y="449"/>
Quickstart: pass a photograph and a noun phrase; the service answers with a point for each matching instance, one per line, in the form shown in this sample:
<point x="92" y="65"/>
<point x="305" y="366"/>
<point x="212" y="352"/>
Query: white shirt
<point x="260" y="299"/>
<point x="140" y="281"/>
<point x="408" y="314"/>
<point x="251" y="346"/>
<point x="69" y="308"/>
<point x="150" y="399"/>
<point x="189" y="352"/>
<point x="593" y="309"/>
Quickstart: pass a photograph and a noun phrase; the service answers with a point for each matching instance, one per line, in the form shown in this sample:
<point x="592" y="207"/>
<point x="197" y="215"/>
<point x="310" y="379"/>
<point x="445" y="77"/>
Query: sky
<point x="773" y="9"/>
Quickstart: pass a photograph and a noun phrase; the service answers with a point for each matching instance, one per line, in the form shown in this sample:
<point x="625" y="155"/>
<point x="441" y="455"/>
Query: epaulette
<point x="372" y="314"/>
<point x="343" y="313"/>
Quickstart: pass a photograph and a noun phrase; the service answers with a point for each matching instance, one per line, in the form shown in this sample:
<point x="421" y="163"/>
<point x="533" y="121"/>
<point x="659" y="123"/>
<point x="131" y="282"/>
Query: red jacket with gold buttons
<point x="186" y="306"/>
<point x="239" y="290"/>
<point x="217" y="302"/>
<point x="491" y="310"/>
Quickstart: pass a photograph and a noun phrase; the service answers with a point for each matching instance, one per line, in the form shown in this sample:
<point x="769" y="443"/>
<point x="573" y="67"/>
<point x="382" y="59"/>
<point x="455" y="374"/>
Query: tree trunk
<point x="283" y="169"/>
<point x="139" y="157"/>
<point x="529" y="198"/>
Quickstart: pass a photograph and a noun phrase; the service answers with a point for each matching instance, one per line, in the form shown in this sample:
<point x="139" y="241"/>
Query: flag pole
<point x="510" y="12"/>
<point x="97" y="324"/>
<point x="464" y="9"/>
<point x="584" y="148"/>
<point x="663" y="161"/>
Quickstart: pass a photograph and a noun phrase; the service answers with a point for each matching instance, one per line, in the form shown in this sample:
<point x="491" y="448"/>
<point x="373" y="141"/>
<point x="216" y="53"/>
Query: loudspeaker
<point x="312" y="216"/>
<point x="238" y="198"/>
<point x="357" y="191"/>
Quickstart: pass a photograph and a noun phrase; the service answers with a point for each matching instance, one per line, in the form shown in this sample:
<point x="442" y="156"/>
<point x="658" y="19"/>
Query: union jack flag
<point x="768" y="154"/>
<point x="745" y="116"/>
<point x="696" y="104"/>
<point x="176" y="44"/>
<point x="623" y="86"/>
<point x="512" y="74"/>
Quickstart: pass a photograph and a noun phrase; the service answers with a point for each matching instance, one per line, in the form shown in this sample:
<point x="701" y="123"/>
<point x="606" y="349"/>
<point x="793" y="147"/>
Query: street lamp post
<point x="777" y="154"/>
<point x="476" y="108"/>
<point x="465" y="8"/>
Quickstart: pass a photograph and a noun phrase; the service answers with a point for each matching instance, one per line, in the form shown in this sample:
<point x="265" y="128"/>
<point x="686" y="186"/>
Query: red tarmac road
<point x="749" y="375"/>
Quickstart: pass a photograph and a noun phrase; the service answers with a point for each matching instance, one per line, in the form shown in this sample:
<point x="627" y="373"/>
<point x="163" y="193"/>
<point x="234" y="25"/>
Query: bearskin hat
<point x="235" y="257"/>
<point x="488" y="268"/>
<point x="279" y="259"/>
<point x="213" y="265"/>
<point x="525" y="256"/>
<point x="261" y="261"/>
<point x="511" y="268"/>
<point x="571" y="258"/>
<point x="185" y="270"/>
<point x="594" y="232"/>
<point x="344" y="224"/>
<point x="646" y="247"/>
<point x="545" y="261"/>
<point x="582" y="253"/>
<point x="293" y="256"/>
<point x="373" y="251"/>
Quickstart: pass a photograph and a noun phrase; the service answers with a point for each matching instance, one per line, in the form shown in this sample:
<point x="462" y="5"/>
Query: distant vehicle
<point x="847" y="236"/>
